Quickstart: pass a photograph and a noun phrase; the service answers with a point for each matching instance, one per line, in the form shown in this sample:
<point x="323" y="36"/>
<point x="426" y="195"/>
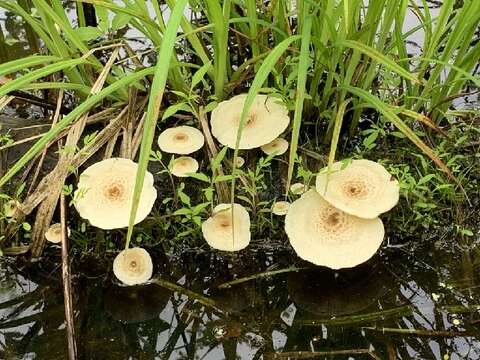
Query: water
<point x="423" y="288"/>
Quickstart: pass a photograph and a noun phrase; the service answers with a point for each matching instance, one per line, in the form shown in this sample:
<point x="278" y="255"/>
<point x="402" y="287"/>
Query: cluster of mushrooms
<point x="335" y="226"/>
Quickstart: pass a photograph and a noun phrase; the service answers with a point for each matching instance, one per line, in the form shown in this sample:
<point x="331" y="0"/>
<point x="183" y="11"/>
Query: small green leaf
<point x="120" y="20"/>
<point x="88" y="33"/>
<point x="182" y="211"/>
<point x="217" y="160"/>
<point x="26" y="226"/>
<point x="200" y="74"/>
<point x="173" y="109"/>
<point x="200" y="176"/>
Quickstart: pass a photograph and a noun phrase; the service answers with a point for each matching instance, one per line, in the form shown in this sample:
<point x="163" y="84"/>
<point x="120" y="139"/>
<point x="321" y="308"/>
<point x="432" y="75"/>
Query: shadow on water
<point x="395" y="307"/>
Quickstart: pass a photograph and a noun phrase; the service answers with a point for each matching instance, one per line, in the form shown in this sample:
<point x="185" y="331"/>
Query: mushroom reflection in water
<point x="184" y="165"/>
<point x="54" y="233"/>
<point x="266" y="120"/>
<point x="327" y="236"/>
<point x="328" y="294"/>
<point x="221" y="233"/>
<point x="181" y="140"/>
<point x="362" y="188"/>
<point x="277" y="147"/>
<point x="105" y="190"/>
<point x="137" y="303"/>
<point x="133" y="266"/>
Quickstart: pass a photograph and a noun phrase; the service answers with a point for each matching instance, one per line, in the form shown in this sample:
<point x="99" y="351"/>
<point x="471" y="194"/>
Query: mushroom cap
<point x="133" y="266"/>
<point x="217" y="229"/>
<point x="364" y="188"/>
<point x="267" y="119"/>
<point x="280" y="207"/>
<point x="181" y="140"/>
<point x="184" y="165"/>
<point x="277" y="147"/>
<point x="105" y="191"/>
<point x="54" y="233"/>
<point x="298" y="188"/>
<point x="327" y="236"/>
<point x="240" y="161"/>
<point x="10" y="207"/>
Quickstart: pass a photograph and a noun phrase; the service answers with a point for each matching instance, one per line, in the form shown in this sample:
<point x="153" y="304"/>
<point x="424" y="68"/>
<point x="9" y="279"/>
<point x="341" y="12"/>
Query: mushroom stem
<point x="222" y="187"/>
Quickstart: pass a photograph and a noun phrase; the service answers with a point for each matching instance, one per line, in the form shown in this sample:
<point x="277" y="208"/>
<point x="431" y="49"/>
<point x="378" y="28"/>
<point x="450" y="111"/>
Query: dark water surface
<point x="410" y="302"/>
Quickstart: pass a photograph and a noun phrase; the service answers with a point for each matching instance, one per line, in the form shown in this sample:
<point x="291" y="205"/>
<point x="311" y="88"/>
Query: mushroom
<point x="240" y="162"/>
<point x="298" y="188"/>
<point x="184" y="165"/>
<point x="277" y="147"/>
<point x="54" y="233"/>
<point x="266" y="120"/>
<point x="327" y="236"/>
<point x="10" y="207"/>
<point x="363" y="188"/>
<point x="280" y="207"/>
<point x="105" y="191"/>
<point x="133" y="266"/>
<point x="181" y="140"/>
<point x="219" y="232"/>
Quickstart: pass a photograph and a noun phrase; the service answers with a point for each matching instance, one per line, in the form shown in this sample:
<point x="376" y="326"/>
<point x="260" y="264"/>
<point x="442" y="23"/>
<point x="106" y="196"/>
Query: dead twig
<point x="67" y="285"/>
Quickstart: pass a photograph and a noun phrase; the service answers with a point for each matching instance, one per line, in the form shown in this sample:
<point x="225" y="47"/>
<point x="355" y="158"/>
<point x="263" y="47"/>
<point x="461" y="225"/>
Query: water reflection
<point x="389" y="309"/>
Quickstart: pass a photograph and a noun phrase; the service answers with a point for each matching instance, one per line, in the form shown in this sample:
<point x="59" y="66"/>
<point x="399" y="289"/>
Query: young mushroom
<point x="280" y="208"/>
<point x="133" y="266"/>
<point x="54" y="233"/>
<point x="266" y="120"/>
<point x="327" y="236"/>
<point x="277" y="147"/>
<point x="298" y="188"/>
<point x="181" y="140"/>
<point x="10" y="207"/>
<point x="363" y="188"/>
<point x="184" y="165"/>
<point x="221" y="233"/>
<point x="105" y="191"/>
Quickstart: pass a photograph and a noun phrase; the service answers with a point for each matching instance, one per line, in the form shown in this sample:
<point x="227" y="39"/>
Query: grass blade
<point x="154" y="102"/>
<point x="303" y="65"/>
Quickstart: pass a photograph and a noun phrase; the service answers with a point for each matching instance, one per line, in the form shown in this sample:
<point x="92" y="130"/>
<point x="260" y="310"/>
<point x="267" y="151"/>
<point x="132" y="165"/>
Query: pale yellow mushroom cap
<point x="219" y="232"/>
<point x="105" y="191"/>
<point x="298" y="188"/>
<point x="133" y="266"/>
<point x="54" y="233"/>
<point x="278" y="147"/>
<point x="280" y="208"/>
<point x="240" y="161"/>
<point x="327" y="236"/>
<point x="267" y="119"/>
<point x="363" y="188"/>
<point x="184" y="165"/>
<point x="10" y="207"/>
<point x="181" y="140"/>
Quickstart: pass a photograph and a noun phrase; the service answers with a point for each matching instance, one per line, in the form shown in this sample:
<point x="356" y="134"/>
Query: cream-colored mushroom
<point x="240" y="161"/>
<point x="327" y="236"/>
<point x="298" y="188"/>
<point x="280" y="208"/>
<point x="362" y="188"/>
<point x="181" y="140"/>
<point x="105" y="191"/>
<point x="10" y="207"/>
<point x="133" y="266"/>
<point x="278" y="147"/>
<point x="221" y="233"/>
<point x="54" y="233"/>
<point x="184" y="165"/>
<point x="266" y="120"/>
